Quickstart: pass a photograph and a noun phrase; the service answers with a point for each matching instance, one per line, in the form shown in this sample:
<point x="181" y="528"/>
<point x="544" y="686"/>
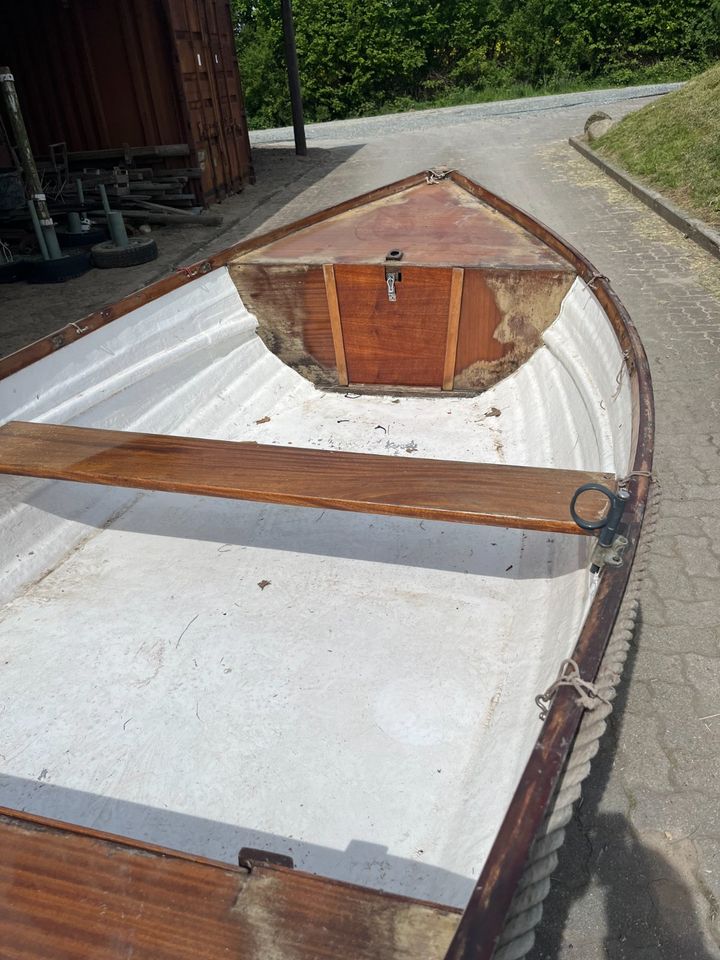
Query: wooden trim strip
<point x="451" y="343"/>
<point x="335" y="323"/>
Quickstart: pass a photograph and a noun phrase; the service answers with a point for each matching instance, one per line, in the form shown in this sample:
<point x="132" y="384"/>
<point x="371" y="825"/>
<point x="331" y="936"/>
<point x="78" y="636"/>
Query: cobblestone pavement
<point x="639" y="875"/>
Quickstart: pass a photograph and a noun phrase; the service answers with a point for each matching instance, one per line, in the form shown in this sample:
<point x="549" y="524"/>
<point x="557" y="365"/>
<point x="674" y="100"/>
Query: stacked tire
<point x="12" y="271"/>
<point x="139" y="250"/>
<point x="70" y="265"/>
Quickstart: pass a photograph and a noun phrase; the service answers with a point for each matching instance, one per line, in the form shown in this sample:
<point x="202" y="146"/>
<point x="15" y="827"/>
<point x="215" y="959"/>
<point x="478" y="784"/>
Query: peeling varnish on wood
<point x="528" y="304"/>
<point x="439" y="224"/>
<point x="293" y="307"/>
<point x="292" y="315"/>
<point x="377" y="927"/>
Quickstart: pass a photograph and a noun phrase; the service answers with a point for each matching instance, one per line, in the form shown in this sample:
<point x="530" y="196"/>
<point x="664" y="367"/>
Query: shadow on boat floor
<point x="361" y="862"/>
<point x="427" y="544"/>
<point x="645" y="882"/>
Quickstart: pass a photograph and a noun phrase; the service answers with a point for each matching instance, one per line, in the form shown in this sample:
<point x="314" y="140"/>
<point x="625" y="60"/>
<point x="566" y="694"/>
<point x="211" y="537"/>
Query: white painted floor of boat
<point x="354" y="691"/>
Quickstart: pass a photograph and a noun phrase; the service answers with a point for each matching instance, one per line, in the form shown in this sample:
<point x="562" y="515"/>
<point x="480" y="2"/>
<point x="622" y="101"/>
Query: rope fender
<point x="525" y="913"/>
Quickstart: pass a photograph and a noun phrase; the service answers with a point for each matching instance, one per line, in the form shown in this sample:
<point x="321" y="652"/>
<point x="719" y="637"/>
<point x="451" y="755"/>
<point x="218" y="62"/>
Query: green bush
<point x="363" y="57"/>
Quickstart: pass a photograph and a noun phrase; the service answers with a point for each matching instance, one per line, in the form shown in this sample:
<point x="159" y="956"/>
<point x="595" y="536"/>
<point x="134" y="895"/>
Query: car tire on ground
<point x="12" y="271"/>
<point x="70" y="265"/>
<point x="84" y="239"/>
<point x="139" y="250"/>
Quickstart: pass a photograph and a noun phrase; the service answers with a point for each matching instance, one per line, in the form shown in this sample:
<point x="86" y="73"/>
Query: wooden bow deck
<point x="531" y="498"/>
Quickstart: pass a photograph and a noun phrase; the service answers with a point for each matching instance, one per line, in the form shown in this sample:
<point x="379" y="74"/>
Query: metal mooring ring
<point x="591" y="524"/>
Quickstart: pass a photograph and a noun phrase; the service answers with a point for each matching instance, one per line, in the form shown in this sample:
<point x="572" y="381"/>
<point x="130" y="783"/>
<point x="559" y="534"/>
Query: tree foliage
<point x="360" y="56"/>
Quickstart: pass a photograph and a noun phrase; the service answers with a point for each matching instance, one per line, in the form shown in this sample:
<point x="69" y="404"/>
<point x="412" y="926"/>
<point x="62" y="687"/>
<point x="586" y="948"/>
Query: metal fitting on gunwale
<point x="610" y="545"/>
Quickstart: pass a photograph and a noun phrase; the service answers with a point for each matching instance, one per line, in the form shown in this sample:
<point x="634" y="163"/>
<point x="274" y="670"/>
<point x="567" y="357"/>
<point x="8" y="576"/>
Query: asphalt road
<point x="639" y="875"/>
<point x="366" y="128"/>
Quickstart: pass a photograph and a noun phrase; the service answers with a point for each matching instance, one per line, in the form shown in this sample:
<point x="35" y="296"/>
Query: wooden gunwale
<point x="484" y="917"/>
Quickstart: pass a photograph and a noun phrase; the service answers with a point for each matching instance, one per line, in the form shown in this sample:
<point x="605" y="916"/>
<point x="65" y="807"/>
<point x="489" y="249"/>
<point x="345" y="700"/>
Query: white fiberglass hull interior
<point x="356" y="691"/>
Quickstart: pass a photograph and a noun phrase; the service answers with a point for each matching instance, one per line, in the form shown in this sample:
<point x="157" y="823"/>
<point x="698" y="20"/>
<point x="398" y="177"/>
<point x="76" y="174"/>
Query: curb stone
<point x="696" y="230"/>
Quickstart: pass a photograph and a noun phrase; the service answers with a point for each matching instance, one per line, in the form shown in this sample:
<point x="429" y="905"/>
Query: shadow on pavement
<point x="280" y="177"/>
<point x="649" y="911"/>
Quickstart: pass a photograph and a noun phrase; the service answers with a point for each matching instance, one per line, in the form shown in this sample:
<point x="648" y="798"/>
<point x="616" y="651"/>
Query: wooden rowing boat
<point x="331" y="710"/>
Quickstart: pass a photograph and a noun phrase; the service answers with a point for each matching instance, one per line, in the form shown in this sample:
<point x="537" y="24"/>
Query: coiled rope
<point x="518" y="935"/>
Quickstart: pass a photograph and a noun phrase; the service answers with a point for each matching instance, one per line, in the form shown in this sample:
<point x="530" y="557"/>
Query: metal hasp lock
<point x="610" y="545"/>
<point x="392" y="277"/>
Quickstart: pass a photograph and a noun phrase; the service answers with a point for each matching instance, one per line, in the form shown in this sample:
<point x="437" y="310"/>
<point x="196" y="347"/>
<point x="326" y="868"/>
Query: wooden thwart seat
<point x="507" y="496"/>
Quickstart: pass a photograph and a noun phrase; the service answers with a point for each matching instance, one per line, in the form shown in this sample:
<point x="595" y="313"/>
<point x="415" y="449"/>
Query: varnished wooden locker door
<point x="400" y="343"/>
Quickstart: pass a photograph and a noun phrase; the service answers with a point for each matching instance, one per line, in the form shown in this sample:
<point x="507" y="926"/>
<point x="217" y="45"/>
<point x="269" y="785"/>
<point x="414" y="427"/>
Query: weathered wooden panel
<point x="503" y="316"/>
<point x="479" y="319"/>
<point x="514" y="286"/>
<point x="400" y="343"/>
<point x="290" y="303"/>
<point x="69" y="894"/>
<point x="435" y="224"/>
<point x="526" y="497"/>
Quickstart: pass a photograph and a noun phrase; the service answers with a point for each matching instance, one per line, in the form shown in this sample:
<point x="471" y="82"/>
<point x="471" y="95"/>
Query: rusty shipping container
<point x="105" y="74"/>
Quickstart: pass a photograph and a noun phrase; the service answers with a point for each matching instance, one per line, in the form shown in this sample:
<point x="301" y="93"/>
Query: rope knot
<point x="596" y="278"/>
<point x="650" y="474"/>
<point x="437" y="174"/>
<point x="569" y="676"/>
